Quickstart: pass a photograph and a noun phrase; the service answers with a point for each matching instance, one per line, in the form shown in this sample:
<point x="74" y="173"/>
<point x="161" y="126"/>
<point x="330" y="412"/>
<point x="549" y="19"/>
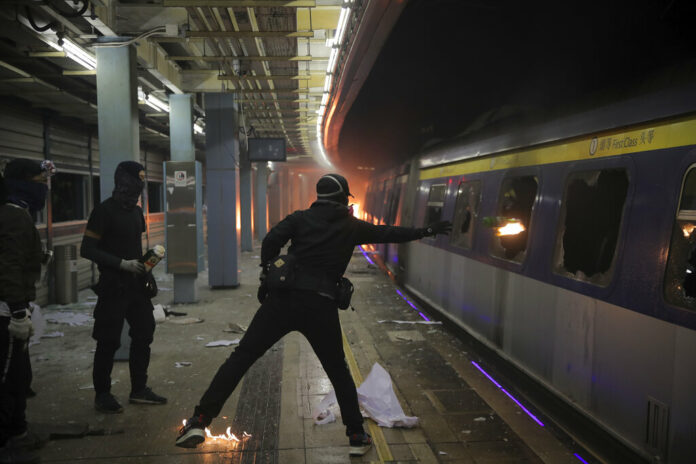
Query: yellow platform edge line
<point x="378" y="439"/>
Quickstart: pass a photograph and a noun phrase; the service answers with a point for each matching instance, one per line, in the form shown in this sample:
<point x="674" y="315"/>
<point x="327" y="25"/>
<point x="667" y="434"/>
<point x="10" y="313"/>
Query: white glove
<point x="21" y="327"/>
<point x="132" y="265"/>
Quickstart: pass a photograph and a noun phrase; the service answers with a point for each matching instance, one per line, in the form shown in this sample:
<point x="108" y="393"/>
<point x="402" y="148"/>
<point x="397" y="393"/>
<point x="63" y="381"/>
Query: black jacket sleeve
<point x="96" y="227"/>
<point x="20" y="255"/>
<point x="370" y="233"/>
<point x="276" y="238"/>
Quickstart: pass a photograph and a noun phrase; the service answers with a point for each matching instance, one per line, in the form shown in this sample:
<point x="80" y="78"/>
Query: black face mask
<point x="27" y="194"/>
<point x="127" y="191"/>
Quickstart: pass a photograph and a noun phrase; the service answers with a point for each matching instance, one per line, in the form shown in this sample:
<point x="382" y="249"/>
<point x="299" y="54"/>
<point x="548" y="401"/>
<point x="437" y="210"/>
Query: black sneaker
<point x="192" y="433"/>
<point x="360" y="443"/>
<point x="106" y="402"/>
<point x="27" y="440"/>
<point x="146" y="396"/>
<point x="12" y="455"/>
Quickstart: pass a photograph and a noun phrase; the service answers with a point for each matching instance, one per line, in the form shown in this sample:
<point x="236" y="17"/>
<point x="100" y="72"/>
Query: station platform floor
<point x="463" y="416"/>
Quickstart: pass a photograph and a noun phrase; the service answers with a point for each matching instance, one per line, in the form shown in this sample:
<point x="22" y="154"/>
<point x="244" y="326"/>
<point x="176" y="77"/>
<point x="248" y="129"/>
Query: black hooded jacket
<point x="324" y="236"/>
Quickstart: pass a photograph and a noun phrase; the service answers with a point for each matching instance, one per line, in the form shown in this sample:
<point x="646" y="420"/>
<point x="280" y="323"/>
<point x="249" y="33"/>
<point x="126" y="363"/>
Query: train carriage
<point x="596" y="299"/>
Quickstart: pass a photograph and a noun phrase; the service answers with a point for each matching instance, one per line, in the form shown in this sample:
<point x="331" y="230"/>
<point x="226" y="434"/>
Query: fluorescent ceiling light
<point x="79" y="55"/>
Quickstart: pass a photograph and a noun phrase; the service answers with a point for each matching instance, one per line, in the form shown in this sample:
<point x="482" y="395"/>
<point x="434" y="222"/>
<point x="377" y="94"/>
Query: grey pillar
<point x="117" y="100"/>
<point x="182" y="149"/>
<point x="119" y="136"/>
<point x="304" y="191"/>
<point x="222" y="154"/>
<point x="245" y="201"/>
<point x="260" y="201"/>
<point x="274" y="199"/>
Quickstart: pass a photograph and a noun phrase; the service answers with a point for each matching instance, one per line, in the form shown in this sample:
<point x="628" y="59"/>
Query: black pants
<point x="15" y="376"/>
<point x="109" y="314"/>
<point x="315" y="317"/>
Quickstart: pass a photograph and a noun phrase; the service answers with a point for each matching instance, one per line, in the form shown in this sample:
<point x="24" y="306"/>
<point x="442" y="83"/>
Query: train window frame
<point x="496" y="247"/>
<point x="457" y="220"/>
<point x="72" y="207"/>
<point x="680" y="271"/>
<point x="599" y="278"/>
<point x="434" y="203"/>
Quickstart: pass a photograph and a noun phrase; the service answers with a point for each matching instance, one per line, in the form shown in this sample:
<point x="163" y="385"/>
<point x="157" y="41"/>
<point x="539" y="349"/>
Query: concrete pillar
<point x="182" y="149"/>
<point x="222" y="155"/>
<point x="245" y="201"/>
<point x="117" y="102"/>
<point x="274" y="199"/>
<point x="260" y="201"/>
<point x="304" y="191"/>
<point x="119" y="134"/>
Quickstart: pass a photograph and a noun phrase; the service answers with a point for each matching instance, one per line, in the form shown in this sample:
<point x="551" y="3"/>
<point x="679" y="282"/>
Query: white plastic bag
<point x="377" y="398"/>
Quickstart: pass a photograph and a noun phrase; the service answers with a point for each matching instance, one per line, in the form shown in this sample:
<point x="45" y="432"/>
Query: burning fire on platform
<point x="687" y="229"/>
<point x="511" y="228"/>
<point x="227" y="436"/>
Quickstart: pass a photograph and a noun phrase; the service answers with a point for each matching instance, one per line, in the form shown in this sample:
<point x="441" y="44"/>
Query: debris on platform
<point x="55" y="334"/>
<point x="184" y="320"/>
<point x="376" y="397"/>
<point x="480" y="419"/>
<point x="169" y="312"/>
<point x="91" y="386"/>
<point x="182" y="363"/>
<point x="235" y="328"/>
<point x="411" y="322"/>
<point x="68" y="317"/>
<point x="223" y="343"/>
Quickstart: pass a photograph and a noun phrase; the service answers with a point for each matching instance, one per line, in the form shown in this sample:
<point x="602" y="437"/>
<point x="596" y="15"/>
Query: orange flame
<point x="227" y="436"/>
<point x="511" y="228"/>
<point x="687" y="229"/>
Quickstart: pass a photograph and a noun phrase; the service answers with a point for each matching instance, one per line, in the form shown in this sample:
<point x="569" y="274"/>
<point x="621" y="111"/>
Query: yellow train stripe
<point x="378" y="439"/>
<point x="673" y="133"/>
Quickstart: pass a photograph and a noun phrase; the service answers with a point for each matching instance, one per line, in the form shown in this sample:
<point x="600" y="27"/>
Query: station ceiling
<point x="272" y="54"/>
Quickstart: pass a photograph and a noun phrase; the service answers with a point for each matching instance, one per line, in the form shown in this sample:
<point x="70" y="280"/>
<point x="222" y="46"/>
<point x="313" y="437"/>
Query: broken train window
<point x="680" y="276"/>
<point x="516" y="201"/>
<point x="591" y="216"/>
<point x="436" y="201"/>
<point x="465" y="213"/>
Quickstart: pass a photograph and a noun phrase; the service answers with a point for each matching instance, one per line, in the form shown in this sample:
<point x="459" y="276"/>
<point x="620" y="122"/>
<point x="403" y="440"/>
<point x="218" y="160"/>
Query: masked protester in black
<point x="113" y="240"/>
<point x="22" y="195"/>
<point x="323" y="238"/>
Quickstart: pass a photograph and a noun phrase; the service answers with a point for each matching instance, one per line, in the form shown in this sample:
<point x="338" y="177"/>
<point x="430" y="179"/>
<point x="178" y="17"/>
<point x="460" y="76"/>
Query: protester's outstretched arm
<point x="370" y="233"/>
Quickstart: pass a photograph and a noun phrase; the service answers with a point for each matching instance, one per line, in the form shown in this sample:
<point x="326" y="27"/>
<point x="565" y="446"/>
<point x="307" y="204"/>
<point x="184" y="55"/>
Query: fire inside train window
<point x="680" y="277"/>
<point x="591" y="216"/>
<point x="511" y="224"/>
<point x="436" y="201"/>
<point x="465" y="214"/>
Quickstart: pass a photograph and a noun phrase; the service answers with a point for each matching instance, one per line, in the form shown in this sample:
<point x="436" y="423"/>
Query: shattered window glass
<point x="591" y="216"/>
<point x="516" y="201"/>
<point x="436" y="201"/>
<point x="465" y="213"/>
<point x="680" y="276"/>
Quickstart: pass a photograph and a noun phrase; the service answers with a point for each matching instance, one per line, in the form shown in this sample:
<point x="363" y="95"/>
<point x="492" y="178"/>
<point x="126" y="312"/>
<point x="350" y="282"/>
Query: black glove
<point x="440" y="227"/>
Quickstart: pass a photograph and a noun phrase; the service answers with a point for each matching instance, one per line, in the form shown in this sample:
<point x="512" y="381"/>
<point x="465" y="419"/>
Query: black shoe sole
<point x="140" y="401"/>
<point x="108" y="411"/>
<point x="189" y="441"/>
<point x="359" y="450"/>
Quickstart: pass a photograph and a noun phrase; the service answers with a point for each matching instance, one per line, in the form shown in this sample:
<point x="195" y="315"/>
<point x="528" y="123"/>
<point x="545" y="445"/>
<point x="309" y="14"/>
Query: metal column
<point x="119" y="135"/>
<point x="245" y="201"/>
<point x="260" y="201"/>
<point x="182" y="149"/>
<point x="222" y="176"/>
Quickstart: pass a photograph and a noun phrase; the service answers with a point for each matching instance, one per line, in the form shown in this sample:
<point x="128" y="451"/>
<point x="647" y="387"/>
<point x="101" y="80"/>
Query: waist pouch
<point x="281" y="272"/>
<point x="344" y="293"/>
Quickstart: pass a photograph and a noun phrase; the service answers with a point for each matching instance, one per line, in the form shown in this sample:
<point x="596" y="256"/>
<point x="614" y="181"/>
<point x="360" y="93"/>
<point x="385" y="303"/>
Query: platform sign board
<point x="267" y="149"/>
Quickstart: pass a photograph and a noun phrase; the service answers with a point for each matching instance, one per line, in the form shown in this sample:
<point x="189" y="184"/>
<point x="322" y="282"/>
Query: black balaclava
<point x="21" y="190"/>
<point x="128" y="184"/>
<point x="333" y="187"/>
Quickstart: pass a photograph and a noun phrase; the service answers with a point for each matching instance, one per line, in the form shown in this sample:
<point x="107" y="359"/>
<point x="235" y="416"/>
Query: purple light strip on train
<point x="581" y="459"/>
<point x="507" y="393"/>
<point x="397" y="290"/>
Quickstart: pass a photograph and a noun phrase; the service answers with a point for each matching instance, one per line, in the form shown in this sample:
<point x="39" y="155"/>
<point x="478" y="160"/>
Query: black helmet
<point x="331" y="185"/>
